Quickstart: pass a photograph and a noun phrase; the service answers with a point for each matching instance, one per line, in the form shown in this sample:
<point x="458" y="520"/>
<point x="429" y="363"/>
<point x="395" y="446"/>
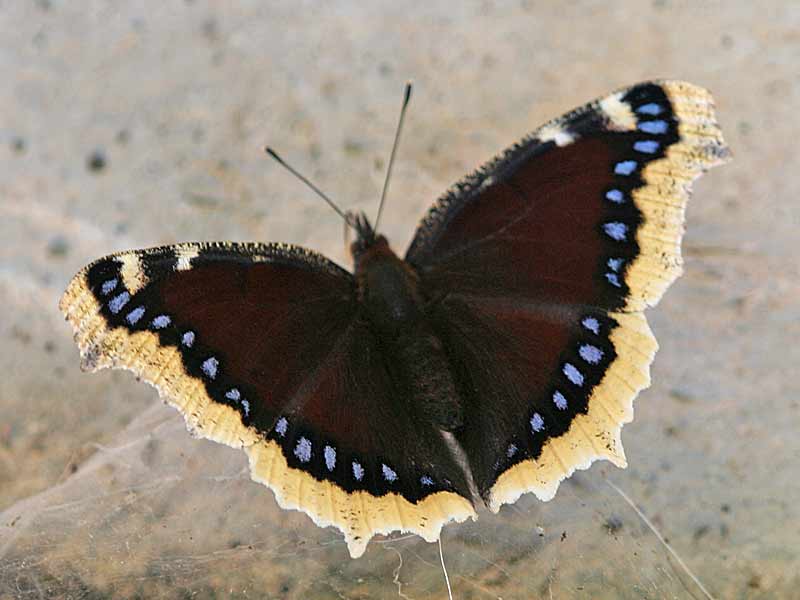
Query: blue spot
<point x="246" y="407"/>
<point x="117" y="303"/>
<point x="651" y="108"/>
<point x="233" y="394"/>
<point x="136" y="314"/>
<point x="559" y="400"/>
<point x="358" y="471"/>
<point x="615" y="263"/>
<point x="388" y="473"/>
<point x="281" y="426"/>
<point x="303" y="450"/>
<point x="613" y="279"/>
<point x="537" y="423"/>
<point x="615" y="196"/>
<point x="108" y="286"/>
<point x="188" y="339"/>
<point x="616" y="230"/>
<point x="626" y="167"/>
<point x="591" y="354"/>
<point x="646" y="146"/>
<point x="592" y="325"/>
<point x="572" y="373"/>
<point x="654" y="127"/>
<point x="512" y="450"/>
<point x="330" y="458"/>
<point x="425" y="480"/>
<point x="160" y="322"/>
<point x="210" y="367"/>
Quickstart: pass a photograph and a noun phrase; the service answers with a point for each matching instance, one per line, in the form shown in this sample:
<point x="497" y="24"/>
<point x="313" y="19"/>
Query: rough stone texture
<point x="125" y="126"/>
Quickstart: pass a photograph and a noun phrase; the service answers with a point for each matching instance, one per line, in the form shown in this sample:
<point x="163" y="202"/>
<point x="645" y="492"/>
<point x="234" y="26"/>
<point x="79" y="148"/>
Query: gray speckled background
<point x="103" y="494"/>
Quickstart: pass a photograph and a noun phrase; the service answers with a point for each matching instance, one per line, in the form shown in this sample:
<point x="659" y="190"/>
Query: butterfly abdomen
<point x="391" y="302"/>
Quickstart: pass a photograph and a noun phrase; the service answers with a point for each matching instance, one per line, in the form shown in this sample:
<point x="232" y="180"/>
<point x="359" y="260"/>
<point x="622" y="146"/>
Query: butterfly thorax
<point x="391" y="302"/>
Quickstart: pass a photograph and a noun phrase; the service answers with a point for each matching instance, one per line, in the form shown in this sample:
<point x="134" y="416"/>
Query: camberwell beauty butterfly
<point x="500" y="355"/>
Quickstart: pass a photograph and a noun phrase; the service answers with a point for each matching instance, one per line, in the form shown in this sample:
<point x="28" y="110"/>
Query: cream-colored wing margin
<point x="359" y="515"/>
<point x="662" y="201"/>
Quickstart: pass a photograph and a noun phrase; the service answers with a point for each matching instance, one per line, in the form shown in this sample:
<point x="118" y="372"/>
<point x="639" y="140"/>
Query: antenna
<point x="406" y="98"/>
<point x="319" y="192"/>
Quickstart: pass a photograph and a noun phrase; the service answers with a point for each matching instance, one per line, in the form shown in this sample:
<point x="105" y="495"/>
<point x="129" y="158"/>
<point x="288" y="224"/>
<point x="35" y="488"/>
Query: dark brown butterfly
<point x="500" y="355"/>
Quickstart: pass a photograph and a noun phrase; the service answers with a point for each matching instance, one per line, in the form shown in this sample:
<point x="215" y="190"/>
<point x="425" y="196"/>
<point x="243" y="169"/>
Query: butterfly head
<point x="366" y="238"/>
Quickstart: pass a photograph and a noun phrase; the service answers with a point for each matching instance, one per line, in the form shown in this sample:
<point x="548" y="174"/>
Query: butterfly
<point x="502" y="353"/>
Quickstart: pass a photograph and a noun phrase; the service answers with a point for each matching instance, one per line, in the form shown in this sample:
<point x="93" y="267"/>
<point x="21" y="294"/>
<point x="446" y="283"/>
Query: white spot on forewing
<point x="555" y="133"/>
<point x="184" y="257"/>
<point x="233" y="394"/>
<point x="281" y="426"/>
<point x="134" y="316"/>
<point x="358" y="471"/>
<point x="388" y="473"/>
<point x="188" y="339"/>
<point x="559" y="400"/>
<point x="619" y="114"/>
<point x="133" y="277"/>
<point x="511" y="451"/>
<point x="537" y="423"/>
<point x="210" y="366"/>
<point x="108" y="286"/>
<point x="591" y="354"/>
<point x="573" y="374"/>
<point x="592" y="325"/>
<point x="303" y="450"/>
<point x="118" y="302"/>
<point x="330" y="458"/>
<point x="246" y="407"/>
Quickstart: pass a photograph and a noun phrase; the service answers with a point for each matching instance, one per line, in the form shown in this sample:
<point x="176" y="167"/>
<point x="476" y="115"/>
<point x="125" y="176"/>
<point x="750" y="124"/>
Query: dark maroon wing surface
<point x="537" y="268"/>
<point x="261" y="347"/>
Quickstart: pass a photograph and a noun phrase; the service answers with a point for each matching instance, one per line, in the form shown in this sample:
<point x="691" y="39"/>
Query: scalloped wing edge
<point x="359" y="515"/>
<point x="595" y="435"/>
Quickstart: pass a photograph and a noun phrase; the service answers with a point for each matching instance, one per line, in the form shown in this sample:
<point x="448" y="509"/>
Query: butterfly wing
<point x="538" y="266"/>
<point x="261" y="347"/>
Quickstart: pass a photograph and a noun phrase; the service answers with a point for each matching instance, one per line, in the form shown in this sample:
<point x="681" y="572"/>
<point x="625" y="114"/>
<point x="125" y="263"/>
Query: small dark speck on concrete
<point x="563" y="535"/>
<point x="613" y="524"/>
<point x="681" y="396"/>
<point x="123" y="137"/>
<point x="727" y="41"/>
<point x="18" y="145"/>
<point x="96" y="161"/>
<point x="726" y="508"/>
<point x="58" y="247"/>
<point x="744" y="127"/>
<point x="754" y="582"/>
<point x="49" y="347"/>
<point x="700" y="532"/>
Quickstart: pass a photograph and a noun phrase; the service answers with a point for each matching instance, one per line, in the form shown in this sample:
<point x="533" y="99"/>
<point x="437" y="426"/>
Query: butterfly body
<point x="392" y="303"/>
<point x="514" y="321"/>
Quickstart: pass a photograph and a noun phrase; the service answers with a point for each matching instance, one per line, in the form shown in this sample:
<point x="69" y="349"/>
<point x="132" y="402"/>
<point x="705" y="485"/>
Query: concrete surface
<point x="130" y="124"/>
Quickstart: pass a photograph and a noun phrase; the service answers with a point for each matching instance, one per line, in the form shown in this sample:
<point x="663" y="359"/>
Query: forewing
<point x="261" y="347"/>
<point x="587" y="210"/>
<point x="581" y="220"/>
